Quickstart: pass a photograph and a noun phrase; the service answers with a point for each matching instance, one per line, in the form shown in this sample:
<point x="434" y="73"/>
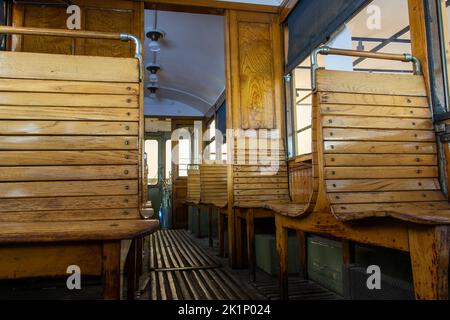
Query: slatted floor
<point x="180" y="269"/>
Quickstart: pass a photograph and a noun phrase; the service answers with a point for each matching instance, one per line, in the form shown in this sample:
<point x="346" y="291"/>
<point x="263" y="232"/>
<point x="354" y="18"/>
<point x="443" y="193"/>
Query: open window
<point x="380" y="26"/>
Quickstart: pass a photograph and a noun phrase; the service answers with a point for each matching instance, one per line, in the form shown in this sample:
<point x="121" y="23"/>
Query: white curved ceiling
<point x="192" y="60"/>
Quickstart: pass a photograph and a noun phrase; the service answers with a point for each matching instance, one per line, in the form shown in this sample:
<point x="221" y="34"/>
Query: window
<point x="184" y="156"/>
<point x="151" y="148"/>
<point x="211" y="141"/>
<point x="168" y="172"/>
<point x="382" y="27"/>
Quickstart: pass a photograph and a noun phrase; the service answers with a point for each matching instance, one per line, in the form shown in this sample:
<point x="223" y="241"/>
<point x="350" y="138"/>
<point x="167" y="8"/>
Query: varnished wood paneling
<point x="50" y="173"/>
<point x="253" y="53"/>
<point x="66" y="100"/>
<point x="98" y="88"/>
<point x="106" y="15"/>
<point x="33" y="158"/>
<point x="49" y="260"/>
<point x="67" y="143"/>
<point x="67" y="188"/>
<point x="67" y="128"/>
<point x="67" y="203"/>
<point x="15" y="65"/>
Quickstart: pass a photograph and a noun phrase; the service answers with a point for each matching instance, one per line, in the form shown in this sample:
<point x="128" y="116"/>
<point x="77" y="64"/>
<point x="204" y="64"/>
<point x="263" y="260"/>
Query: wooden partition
<point x="105" y="16"/>
<point x="301" y="178"/>
<point x="213" y="179"/>
<point x="69" y="138"/>
<point x="193" y="185"/>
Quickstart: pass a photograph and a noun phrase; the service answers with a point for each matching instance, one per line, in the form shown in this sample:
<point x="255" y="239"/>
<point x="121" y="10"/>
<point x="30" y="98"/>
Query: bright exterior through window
<point x="382" y="27"/>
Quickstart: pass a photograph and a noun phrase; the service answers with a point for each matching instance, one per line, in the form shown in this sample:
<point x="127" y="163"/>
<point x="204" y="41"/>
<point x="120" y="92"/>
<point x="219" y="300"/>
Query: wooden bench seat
<point x="378" y="158"/>
<point x="71" y="166"/>
<point x="288" y="208"/>
<point x="214" y="194"/>
<point x="106" y="230"/>
<point x="363" y="133"/>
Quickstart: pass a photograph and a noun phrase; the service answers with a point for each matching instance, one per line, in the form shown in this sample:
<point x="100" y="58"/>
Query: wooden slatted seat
<point x="31" y="232"/>
<point x="193" y="185"/>
<point x="261" y="188"/>
<point x="213" y="179"/>
<point x="214" y="194"/>
<point x="378" y="161"/>
<point x="71" y="170"/>
<point x="379" y="149"/>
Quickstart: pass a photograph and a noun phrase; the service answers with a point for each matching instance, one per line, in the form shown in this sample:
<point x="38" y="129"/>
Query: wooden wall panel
<point x="105" y="15"/>
<point x="254" y="75"/>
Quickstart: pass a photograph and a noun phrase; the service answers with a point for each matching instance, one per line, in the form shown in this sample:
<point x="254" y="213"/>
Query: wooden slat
<point x="50" y="86"/>
<point x="371" y="83"/>
<point x="54" y="173"/>
<point x="32" y="158"/>
<point x="263" y="192"/>
<point x="67" y="128"/>
<point x="67" y="188"/>
<point x="379" y="147"/>
<point x="16" y="65"/>
<point x="381" y="185"/>
<point x="70" y="215"/>
<point x="245" y="186"/>
<point x="67" y="100"/>
<point x="372" y="100"/>
<point x="259" y="197"/>
<point x="68" y="203"/>
<point x="262" y="169"/>
<point x="252" y="174"/>
<point x="259" y="180"/>
<point x="380" y="172"/>
<point x="375" y="111"/>
<point x="390" y="196"/>
<point x="76" y="231"/>
<point x="67" y="113"/>
<point x="378" y="135"/>
<point x="376" y="122"/>
<point x="67" y="143"/>
<point x="380" y="160"/>
<point x="419" y="212"/>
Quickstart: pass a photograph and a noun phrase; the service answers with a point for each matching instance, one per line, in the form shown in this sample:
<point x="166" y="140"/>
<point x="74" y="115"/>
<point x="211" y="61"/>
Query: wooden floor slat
<point x="181" y="268"/>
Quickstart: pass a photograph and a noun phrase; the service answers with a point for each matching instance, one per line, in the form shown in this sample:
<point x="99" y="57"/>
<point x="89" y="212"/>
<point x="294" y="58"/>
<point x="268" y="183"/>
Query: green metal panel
<point x="266" y="254"/>
<point x="325" y="263"/>
<point x="193" y="222"/>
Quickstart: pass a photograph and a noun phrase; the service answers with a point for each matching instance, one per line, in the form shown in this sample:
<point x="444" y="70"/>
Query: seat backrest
<point x="259" y="172"/>
<point x="213" y="184"/>
<point x="69" y="137"/>
<point x="377" y="139"/>
<point x="193" y="185"/>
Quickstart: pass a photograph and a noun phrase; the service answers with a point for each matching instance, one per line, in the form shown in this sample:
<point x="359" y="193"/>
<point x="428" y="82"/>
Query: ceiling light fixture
<point x="155" y="35"/>
<point x="153" y="87"/>
<point x="153" y="68"/>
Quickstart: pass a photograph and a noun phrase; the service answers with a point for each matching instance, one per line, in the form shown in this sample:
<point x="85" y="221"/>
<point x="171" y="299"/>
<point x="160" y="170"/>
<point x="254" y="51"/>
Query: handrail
<point x="364" y="54"/>
<point x="79" y="34"/>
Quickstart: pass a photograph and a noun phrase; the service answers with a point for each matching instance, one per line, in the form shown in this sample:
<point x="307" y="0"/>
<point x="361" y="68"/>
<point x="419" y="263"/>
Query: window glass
<point x="381" y="27"/>
<point x="168" y="171"/>
<point x="184" y="157"/>
<point x="151" y="148"/>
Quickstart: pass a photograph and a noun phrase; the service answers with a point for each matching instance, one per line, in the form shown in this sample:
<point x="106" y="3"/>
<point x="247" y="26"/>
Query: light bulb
<point x="153" y="77"/>
<point x="154" y="46"/>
